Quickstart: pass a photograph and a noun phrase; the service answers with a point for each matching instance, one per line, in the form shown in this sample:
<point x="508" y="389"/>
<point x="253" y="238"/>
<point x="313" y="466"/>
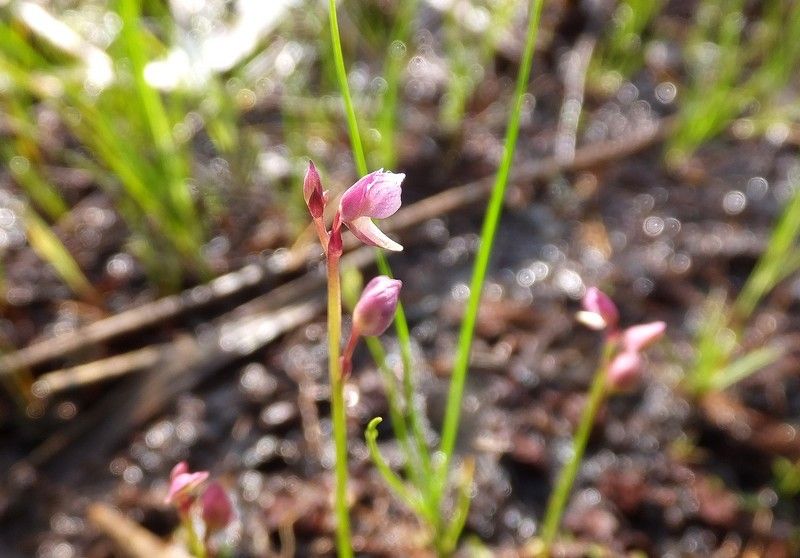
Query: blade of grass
<point x="393" y="69"/>
<point x="744" y="366"/>
<point x="48" y="246"/>
<point x="491" y="219"/>
<point x="170" y="159"/>
<point x="771" y="265"/>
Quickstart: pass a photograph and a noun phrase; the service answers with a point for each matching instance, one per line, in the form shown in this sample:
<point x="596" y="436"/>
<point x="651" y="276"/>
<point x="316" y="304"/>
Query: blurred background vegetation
<point x="153" y="145"/>
<point x="149" y="146"/>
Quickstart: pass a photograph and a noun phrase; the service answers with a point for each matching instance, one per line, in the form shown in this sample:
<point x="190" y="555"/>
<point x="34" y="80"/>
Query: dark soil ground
<point x="664" y="474"/>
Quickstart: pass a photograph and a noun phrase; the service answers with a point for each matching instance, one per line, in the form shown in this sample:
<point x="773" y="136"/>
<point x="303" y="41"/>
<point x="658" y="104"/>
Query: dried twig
<point x="130" y="538"/>
<point x="290" y="261"/>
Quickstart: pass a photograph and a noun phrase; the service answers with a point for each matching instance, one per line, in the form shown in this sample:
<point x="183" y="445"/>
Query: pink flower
<point x="312" y="192"/>
<point x="217" y="509"/>
<point x="375" y="196"/>
<point x="375" y="309"/>
<point x="639" y="337"/>
<point x="599" y="304"/>
<point x="183" y="485"/>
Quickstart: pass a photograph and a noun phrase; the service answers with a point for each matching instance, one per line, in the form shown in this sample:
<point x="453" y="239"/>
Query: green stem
<point x="453" y="410"/>
<point x="196" y="546"/>
<point x="393" y="398"/>
<point x="401" y="325"/>
<point x="558" y="499"/>
<point x="412" y="414"/>
<point x="337" y="407"/>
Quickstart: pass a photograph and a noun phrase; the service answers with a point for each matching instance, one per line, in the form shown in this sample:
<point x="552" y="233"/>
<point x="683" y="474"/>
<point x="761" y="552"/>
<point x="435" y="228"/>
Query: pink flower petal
<point x="383" y="195"/>
<point x="369" y="233"/>
<point x="184" y="484"/>
<point x="637" y="337"/>
<point x="354" y="200"/>
<point x="625" y="371"/>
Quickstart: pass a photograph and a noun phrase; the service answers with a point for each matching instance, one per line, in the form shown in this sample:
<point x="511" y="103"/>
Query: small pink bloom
<point x="625" y="371"/>
<point x="597" y="302"/>
<point x="375" y="309"/>
<point x="183" y="485"/>
<point x="375" y="196"/>
<point x="638" y="337"/>
<point x="312" y="192"/>
<point x="217" y="509"/>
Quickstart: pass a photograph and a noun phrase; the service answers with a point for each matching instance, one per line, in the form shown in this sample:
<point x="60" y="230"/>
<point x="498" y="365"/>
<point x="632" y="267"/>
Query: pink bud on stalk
<point x="372" y="315"/>
<point x="375" y="309"/>
<point x="605" y="313"/>
<point x="217" y="509"/>
<point x="183" y="486"/>
<point x="375" y="196"/>
<point x="312" y="192"/>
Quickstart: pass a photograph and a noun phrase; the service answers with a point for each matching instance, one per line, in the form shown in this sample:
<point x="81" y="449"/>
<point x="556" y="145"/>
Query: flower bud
<point x="597" y="302"/>
<point x="625" y="371"/>
<point x="312" y="192"/>
<point x="638" y="337"/>
<point x="216" y="507"/>
<point x="375" y="309"/>
<point x="374" y="196"/>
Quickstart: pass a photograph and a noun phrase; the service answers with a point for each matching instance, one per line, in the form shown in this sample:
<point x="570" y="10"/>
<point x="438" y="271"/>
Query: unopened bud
<point x="217" y="509"/>
<point x="312" y="192"/>
<point x="375" y="309"/>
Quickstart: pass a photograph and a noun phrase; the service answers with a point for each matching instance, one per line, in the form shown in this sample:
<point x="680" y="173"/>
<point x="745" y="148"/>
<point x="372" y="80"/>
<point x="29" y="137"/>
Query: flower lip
<point x="375" y="309"/>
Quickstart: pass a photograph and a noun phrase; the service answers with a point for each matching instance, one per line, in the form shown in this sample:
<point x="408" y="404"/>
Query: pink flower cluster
<point x="374" y="196"/>
<point x="600" y="313"/>
<point x="216" y="508"/>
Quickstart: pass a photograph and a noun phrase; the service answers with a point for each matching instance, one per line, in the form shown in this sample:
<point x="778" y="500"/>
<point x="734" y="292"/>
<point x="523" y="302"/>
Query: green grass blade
<point x="491" y="219"/>
<point x="48" y="246"/>
<point x="744" y="366"/>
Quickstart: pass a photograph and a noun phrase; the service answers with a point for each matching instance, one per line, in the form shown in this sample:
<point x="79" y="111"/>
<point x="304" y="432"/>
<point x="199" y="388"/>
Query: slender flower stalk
<point x="563" y="487"/>
<point x="401" y="324"/>
<point x="338" y="411"/>
<point x="376" y="195"/>
<point x="620" y="369"/>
